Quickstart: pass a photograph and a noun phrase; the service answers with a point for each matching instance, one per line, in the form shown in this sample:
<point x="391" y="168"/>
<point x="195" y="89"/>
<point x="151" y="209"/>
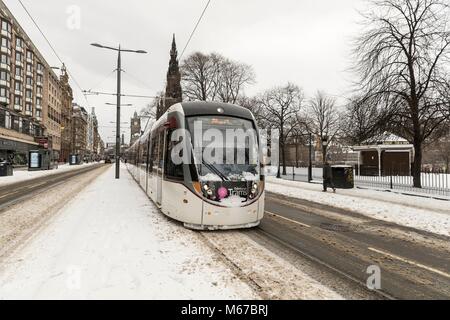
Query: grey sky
<point x="303" y="41"/>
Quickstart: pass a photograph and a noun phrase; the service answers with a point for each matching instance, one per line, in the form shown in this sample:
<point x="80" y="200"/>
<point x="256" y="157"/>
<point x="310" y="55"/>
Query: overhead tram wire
<point x="195" y="29"/>
<point x="52" y="48"/>
<point x="102" y="81"/>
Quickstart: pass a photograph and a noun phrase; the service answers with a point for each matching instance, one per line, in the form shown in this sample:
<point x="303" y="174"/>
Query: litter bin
<point x="6" y="169"/>
<point x="343" y="177"/>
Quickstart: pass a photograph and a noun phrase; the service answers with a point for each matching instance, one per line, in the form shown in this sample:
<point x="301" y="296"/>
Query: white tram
<point x="203" y="195"/>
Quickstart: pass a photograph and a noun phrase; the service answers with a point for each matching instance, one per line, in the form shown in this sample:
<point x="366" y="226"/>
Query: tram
<point x="200" y="164"/>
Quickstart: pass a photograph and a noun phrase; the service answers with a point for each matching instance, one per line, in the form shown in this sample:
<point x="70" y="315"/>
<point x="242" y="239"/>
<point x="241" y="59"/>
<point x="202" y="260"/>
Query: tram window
<point x="172" y="170"/>
<point x="161" y="150"/>
<point x="154" y="153"/>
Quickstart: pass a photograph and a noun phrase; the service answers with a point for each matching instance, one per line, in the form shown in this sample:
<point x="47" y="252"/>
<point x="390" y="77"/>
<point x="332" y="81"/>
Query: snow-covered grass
<point x="25" y="175"/>
<point x="423" y="214"/>
<point x="111" y="242"/>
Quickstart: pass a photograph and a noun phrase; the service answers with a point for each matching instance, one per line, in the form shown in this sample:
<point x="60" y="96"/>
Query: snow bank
<point x="25" y="175"/>
<point x="111" y="242"/>
<point x="423" y="214"/>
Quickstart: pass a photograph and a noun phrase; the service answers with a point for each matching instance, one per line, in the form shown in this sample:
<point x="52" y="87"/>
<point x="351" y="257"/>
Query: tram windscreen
<point x="225" y="148"/>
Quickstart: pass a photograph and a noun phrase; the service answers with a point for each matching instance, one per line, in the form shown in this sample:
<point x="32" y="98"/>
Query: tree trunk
<point x="417" y="165"/>
<point x="283" y="156"/>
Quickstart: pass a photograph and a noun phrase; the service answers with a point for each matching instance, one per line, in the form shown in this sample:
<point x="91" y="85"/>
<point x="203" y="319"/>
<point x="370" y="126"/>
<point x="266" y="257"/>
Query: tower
<point x="174" y="92"/>
<point x="135" y="128"/>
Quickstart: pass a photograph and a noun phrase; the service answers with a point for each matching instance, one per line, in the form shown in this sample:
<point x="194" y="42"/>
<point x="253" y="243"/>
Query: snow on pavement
<point x="110" y="242"/>
<point x="423" y="214"/>
<point x="25" y="175"/>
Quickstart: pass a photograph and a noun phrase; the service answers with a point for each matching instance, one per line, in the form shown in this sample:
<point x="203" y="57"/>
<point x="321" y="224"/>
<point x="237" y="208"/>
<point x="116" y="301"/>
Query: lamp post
<point x="324" y="148"/>
<point x="119" y="95"/>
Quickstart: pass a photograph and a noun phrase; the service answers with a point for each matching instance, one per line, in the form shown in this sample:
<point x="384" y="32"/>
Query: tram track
<point x="346" y="244"/>
<point x="21" y="191"/>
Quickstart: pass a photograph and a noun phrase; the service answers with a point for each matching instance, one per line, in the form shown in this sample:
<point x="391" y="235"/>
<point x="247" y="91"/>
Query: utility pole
<point x="119" y="79"/>
<point x="310" y="167"/>
<point x="119" y="95"/>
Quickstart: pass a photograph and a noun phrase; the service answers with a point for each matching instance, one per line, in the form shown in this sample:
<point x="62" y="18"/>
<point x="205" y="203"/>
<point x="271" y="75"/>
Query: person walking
<point x="328" y="178"/>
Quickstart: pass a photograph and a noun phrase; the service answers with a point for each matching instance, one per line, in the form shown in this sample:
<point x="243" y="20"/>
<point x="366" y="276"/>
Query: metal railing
<point x="433" y="183"/>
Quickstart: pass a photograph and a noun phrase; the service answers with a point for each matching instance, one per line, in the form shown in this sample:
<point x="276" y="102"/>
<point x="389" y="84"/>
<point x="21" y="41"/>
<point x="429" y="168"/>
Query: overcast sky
<point x="307" y="42"/>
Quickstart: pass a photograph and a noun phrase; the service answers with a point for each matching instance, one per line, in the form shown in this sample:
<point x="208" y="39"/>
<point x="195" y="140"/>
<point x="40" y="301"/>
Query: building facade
<point x="30" y="95"/>
<point x="174" y="93"/>
<point x="79" y="130"/>
<point x="66" y="116"/>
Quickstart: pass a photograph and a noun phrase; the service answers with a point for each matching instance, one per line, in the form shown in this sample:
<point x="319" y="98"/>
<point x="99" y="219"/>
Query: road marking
<point x="442" y="273"/>
<point x="36" y="185"/>
<point x="9" y="194"/>
<point x="287" y="219"/>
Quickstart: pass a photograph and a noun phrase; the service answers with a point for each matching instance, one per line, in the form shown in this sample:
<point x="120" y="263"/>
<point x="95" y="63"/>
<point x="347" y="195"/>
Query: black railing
<point x="433" y="183"/>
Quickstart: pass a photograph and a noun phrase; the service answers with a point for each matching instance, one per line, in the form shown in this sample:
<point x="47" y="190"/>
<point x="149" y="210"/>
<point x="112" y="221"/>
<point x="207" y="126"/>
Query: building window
<point x="29" y="94"/>
<point x="18" y="100"/>
<point x="6" y="26"/>
<point x="6" y="43"/>
<point x="19" y="57"/>
<point x="26" y="126"/>
<point x="40" y="67"/>
<point x="30" y="55"/>
<point x="39" y="90"/>
<point x="4" y="92"/>
<point x="29" y="81"/>
<point x="29" y="67"/>
<point x="4" y="58"/>
<point x="18" y="86"/>
<point x="18" y="71"/>
<point x="2" y="118"/>
<point x="4" y="75"/>
<point x="19" y="43"/>
<point x="38" y="113"/>
<point x="40" y="78"/>
<point x="15" y="123"/>
<point x="38" y="101"/>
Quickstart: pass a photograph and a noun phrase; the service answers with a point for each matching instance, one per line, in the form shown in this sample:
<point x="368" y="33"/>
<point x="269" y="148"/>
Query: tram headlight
<point x="254" y="190"/>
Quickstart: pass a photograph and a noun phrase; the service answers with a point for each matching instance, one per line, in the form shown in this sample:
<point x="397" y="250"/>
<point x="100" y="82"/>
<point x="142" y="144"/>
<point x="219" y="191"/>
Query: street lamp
<point x="119" y="94"/>
<point x="324" y="148"/>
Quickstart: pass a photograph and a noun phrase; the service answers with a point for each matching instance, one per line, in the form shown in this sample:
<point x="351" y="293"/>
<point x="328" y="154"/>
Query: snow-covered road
<point x="110" y="242"/>
<point x="424" y="214"/>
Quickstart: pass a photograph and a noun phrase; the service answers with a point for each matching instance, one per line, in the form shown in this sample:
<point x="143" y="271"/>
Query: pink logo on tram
<point x="222" y="193"/>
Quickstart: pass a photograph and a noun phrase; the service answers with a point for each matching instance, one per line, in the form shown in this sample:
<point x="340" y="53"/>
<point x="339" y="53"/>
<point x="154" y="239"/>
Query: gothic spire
<point x="174" y="51"/>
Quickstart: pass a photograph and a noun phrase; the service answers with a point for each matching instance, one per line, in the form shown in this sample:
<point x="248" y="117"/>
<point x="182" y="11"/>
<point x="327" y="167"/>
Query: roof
<point x="386" y="138"/>
<point x="215" y="109"/>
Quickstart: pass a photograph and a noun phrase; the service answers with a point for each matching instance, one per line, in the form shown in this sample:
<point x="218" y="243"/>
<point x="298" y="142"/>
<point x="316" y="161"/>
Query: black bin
<point x="343" y="177"/>
<point x="6" y="169"/>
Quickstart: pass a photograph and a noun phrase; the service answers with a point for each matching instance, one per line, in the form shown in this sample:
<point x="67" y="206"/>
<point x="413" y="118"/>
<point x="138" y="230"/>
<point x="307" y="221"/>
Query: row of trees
<point x="401" y="57"/>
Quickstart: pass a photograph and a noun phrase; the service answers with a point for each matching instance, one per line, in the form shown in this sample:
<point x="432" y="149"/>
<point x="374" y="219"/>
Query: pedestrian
<point x="328" y="178"/>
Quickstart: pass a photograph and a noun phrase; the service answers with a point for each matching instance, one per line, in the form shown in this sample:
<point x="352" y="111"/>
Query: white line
<point x="287" y="219"/>
<point x="442" y="273"/>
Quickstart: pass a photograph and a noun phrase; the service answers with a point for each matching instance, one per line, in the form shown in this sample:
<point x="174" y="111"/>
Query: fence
<point x="437" y="184"/>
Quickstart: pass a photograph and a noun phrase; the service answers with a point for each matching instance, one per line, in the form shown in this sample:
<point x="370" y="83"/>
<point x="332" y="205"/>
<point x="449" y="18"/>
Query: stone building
<point x="66" y="116"/>
<point x="30" y="95"/>
<point x="79" y="130"/>
<point x="174" y="93"/>
<point x="135" y="128"/>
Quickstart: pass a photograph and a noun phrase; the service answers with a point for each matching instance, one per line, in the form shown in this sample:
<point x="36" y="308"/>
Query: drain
<point x="335" y="227"/>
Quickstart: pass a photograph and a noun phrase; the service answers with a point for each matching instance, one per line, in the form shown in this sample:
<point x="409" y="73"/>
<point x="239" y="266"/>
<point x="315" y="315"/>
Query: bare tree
<point x="213" y="77"/>
<point x="361" y="121"/>
<point x="232" y="78"/>
<point x="199" y="74"/>
<point x="401" y="57"/>
<point x="323" y="119"/>
<point x="280" y="107"/>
